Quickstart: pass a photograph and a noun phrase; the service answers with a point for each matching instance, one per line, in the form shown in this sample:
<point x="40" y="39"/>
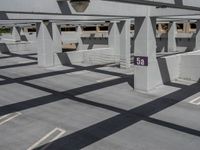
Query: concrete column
<point x="186" y="27"/>
<point x="147" y="75"/>
<point x="48" y="43"/>
<point x="57" y="41"/>
<point x="114" y="39"/>
<point x="172" y="37"/>
<point x="197" y="45"/>
<point x="125" y="44"/>
<point x="80" y="42"/>
<point x="160" y="27"/>
<point x="16" y="33"/>
<point x="23" y="35"/>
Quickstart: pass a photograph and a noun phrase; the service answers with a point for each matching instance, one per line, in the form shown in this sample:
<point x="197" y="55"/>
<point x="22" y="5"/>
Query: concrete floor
<point x="95" y="106"/>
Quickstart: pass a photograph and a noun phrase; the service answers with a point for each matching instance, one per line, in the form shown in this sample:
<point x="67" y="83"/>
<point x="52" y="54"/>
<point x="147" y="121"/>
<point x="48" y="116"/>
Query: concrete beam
<point x="183" y="4"/>
<point x="185" y="17"/>
<point x="54" y="17"/>
<point x="166" y="12"/>
<point x="95" y="8"/>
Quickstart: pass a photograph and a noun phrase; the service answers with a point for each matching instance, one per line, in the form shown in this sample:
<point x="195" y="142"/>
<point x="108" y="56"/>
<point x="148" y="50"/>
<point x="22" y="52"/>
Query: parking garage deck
<point x="95" y="106"/>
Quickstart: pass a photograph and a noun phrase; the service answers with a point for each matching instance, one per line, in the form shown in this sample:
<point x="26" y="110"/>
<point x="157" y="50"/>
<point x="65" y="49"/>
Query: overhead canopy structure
<point x="97" y="9"/>
<point x="182" y="4"/>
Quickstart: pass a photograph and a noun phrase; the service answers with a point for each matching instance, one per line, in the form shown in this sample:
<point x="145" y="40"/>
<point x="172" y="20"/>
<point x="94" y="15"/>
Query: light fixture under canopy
<point x="80" y="5"/>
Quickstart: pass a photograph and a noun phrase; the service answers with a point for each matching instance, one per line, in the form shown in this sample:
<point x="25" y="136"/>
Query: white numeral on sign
<point x="140" y="61"/>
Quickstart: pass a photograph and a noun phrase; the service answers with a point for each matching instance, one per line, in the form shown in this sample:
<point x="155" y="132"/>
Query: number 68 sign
<point x="140" y="61"/>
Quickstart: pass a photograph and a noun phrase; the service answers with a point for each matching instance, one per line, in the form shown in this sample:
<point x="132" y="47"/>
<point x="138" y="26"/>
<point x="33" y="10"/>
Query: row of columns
<point x="145" y="77"/>
<point x="119" y="40"/>
<point x="172" y="36"/>
<point x="49" y="42"/>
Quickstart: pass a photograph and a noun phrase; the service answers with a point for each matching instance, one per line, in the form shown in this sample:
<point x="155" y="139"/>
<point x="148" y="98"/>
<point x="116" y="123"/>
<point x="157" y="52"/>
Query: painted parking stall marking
<point x="4" y="119"/>
<point x="25" y="61"/>
<point x="195" y="101"/>
<point x="48" y="138"/>
<point x="107" y="79"/>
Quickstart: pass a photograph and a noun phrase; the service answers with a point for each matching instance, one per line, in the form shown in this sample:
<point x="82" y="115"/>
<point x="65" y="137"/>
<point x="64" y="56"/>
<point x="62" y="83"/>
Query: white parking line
<point x="107" y="79"/>
<point x="130" y="73"/>
<point x="49" y="141"/>
<point x="8" y="117"/>
<point x="195" y="101"/>
<point x="26" y="61"/>
<point x="79" y="72"/>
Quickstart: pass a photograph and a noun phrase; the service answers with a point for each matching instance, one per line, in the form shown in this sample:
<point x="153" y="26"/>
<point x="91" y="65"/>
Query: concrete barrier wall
<point x="190" y="67"/>
<point x="184" y="66"/>
<point x="169" y="67"/>
<point x="90" y="40"/>
<point x="184" y="42"/>
<point x="6" y="36"/>
<point x="16" y="47"/>
<point x="20" y="46"/>
<point x="100" y="56"/>
<point x="24" y="37"/>
<point x="30" y="36"/>
<point x="94" y="56"/>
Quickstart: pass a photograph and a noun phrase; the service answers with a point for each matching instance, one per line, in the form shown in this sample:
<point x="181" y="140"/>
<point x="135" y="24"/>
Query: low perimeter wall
<point x="190" y="67"/>
<point x="16" y="46"/>
<point x="183" y="66"/>
<point x="94" y="56"/>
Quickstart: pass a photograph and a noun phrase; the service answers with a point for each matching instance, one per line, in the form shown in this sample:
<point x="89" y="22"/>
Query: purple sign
<point x="140" y="61"/>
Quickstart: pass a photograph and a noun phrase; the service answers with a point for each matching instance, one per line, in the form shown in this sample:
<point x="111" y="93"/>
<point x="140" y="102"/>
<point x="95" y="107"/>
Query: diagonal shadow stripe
<point x="130" y="117"/>
<point x="56" y="96"/>
<point x="96" y="132"/>
<point x="173" y="126"/>
<point x="11" y="54"/>
<point x="137" y="113"/>
<point x="55" y="73"/>
<point x="92" y="134"/>
<point x="19" y="55"/>
<point x="18" y="65"/>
